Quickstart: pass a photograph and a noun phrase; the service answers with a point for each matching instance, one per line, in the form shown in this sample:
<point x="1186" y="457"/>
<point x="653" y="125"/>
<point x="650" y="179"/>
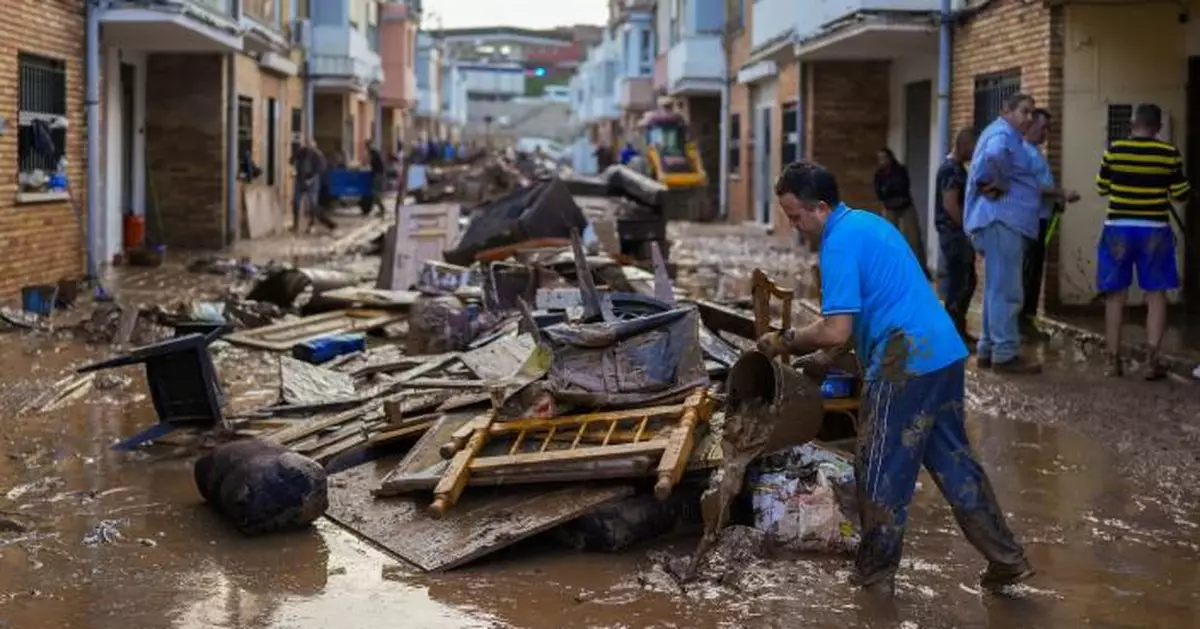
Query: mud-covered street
<point x="1098" y="477"/>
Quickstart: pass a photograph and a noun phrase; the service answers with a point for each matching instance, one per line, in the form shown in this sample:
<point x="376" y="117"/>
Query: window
<point x="245" y="122"/>
<point x="1120" y="122"/>
<point x="790" y="135"/>
<point x="736" y="10"/>
<point x="676" y="20"/>
<point x="272" y="140"/>
<point x="735" y="144"/>
<point x="348" y="143"/>
<point x="990" y="92"/>
<point x="42" y="97"/>
<point x="297" y="124"/>
<point x="646" y="53"/>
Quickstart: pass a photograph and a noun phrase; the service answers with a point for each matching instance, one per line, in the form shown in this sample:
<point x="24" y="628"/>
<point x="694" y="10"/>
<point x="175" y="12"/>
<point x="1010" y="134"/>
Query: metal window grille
<point x="991" y="90"/>
<point x="42" y="96"/>
<point x="1120" y="122"/>
<point x="735" y="144"/>
<point x="790" y="134"/>
<point x="245" y="122"/>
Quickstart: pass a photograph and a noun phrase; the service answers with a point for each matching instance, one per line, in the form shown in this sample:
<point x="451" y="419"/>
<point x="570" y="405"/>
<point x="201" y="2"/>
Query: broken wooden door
<point x="421" y="232"/>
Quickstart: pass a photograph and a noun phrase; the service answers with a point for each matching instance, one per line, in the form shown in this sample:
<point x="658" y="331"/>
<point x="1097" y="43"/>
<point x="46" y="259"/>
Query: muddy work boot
<point x="999" y="576"/>
<point x="1154" y="370"/>
<point x="1030" y="331"/>
<point x="1018" y="366"/>
<point x="1112" y="366"/>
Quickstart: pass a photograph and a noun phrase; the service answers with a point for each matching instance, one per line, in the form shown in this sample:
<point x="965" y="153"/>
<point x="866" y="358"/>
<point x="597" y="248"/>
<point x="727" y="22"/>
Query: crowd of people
<point x="996" y="198"/>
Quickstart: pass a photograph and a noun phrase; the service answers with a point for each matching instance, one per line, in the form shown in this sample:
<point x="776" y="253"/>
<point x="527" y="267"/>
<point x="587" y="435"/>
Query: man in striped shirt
<point x="1140" y="176"/>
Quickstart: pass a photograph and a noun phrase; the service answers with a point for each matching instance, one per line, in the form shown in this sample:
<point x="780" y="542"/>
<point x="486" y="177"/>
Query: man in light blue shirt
<point x="1003" y="202"/>
<point x="1052" y="197"/>
<point x="874" y="292"/>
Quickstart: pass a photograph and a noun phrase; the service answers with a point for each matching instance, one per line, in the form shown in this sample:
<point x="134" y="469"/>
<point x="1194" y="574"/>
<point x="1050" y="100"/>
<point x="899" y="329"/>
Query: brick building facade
<point x="41" y="239"/>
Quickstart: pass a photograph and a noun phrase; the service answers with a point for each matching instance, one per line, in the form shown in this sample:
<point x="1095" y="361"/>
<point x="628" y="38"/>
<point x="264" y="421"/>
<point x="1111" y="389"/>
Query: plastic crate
<point x="349" y="184"/>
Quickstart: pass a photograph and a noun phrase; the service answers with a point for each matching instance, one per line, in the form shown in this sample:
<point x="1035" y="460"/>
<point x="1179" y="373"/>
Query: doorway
<point x="762" y="164"/>
<point x="1191" y="227"/>
<point x="918" y="110"/>
<point x="128" y="81"/>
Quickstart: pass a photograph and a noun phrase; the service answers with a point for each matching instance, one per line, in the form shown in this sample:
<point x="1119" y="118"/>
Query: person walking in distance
<point x="1141" y="176"/>
<point x="894" y="191"/>
<point x="874" y="294"/>
<point x="957" y="274"/>
<point x="1053" y="199"/>
<point x="1003" y="200"/>
<point x="378" y="179"/>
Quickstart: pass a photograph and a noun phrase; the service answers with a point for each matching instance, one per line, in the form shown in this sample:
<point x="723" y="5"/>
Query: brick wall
<point x="847" y="123"/>
<point x="704" y="125"/>
<point x="288" y="92"/>
<point x="41" y="243"/>
<point x="185" y="149"/>
<point x="1011" y="34"/>
<point x="740" y="185"/>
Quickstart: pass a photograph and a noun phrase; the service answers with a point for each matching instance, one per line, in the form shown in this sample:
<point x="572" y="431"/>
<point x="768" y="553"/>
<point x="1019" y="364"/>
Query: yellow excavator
<point x="672" y="159"/>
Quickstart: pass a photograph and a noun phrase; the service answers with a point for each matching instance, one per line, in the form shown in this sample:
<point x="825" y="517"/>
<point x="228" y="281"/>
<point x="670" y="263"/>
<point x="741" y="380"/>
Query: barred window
<point x="1120" y="122"/>
<point x="42" y="97"/>
<point x="991" y="90"/>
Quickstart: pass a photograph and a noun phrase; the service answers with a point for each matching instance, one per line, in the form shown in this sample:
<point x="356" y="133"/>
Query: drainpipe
<point x="944" y="51"/>
<point x="723" y="129"/>
<point x="231" y="152"/>
<point x="309" y="110"/>
<point x="92" y="105"/>
<point x="943" y="141"/>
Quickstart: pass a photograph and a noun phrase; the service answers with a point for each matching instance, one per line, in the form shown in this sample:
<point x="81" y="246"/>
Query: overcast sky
<point x="523" y="13"/>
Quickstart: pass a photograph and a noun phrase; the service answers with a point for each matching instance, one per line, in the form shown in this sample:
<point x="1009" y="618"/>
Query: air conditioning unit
<point x="301" y="33"/>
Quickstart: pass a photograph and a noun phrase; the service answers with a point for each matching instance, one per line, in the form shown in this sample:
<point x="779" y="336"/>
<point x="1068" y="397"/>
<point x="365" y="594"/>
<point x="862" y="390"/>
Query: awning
<point x="170" y="29"/>
<point x="868" y="37"/>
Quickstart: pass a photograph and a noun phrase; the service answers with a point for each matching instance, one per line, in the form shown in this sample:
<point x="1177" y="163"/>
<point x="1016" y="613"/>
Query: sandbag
<point x="652" y="359"/>
<point x="437" y="325"/>
<point x="617" y="526"/>
<point x="262" y="487"/>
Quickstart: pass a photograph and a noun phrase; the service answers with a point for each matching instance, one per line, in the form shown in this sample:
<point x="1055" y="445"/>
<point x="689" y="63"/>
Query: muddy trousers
<point x="957" y="277"/>
<point x="902" y="426"/>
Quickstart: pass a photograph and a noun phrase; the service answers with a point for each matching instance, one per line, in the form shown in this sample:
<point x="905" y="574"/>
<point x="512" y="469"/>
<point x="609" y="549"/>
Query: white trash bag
<point x="803" y="500"/>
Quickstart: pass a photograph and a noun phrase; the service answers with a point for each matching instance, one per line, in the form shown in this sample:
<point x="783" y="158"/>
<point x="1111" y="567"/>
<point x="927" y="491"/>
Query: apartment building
<point x="398" y="43"/>
<point x="427" y="117"/>
<point x="595" y="109"/>
<point x="183" y="88"/>
<point x="691" y="35"/>
<point x="347" y="75"/>
<point x="1089" y="64"/>
<point x="503" y="63"/>
<point x="633" y="27"/>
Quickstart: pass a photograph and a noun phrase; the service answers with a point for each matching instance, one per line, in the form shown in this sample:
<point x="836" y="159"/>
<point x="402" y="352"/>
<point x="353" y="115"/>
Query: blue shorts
<point x="1150" y="249"/>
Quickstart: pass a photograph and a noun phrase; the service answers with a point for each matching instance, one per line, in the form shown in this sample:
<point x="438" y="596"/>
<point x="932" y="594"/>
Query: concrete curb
<point x="1176" y="364"/>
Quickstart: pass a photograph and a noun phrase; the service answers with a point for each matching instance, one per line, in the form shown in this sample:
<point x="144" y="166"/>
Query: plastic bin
<point x="39" y="299"/>
<point x="349" y="184"/>
<point x="837" y="385"/>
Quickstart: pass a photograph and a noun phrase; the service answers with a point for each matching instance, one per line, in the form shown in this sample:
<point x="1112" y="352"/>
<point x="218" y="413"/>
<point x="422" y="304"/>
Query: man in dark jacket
<point x="310" y="171"/>
<point x="378" y="180"/>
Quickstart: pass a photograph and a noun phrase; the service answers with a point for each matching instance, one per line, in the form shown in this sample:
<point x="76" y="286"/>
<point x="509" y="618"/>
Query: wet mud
<point x="1097" y="477"/>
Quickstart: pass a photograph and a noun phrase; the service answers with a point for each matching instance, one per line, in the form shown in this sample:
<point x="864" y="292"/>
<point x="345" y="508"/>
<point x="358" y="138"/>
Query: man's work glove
<point x="775" y="343"/>
<point x="815" y="365"/>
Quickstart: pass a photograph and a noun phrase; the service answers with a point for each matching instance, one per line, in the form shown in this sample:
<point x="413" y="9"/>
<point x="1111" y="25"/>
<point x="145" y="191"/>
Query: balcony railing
<point x="344" y="66"/>
<point x="262" y="11"/>
<point x="698" y="60"/>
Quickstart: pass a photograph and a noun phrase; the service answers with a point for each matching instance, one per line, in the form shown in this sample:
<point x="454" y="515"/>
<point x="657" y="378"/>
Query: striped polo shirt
<point x="1141" y="176"/>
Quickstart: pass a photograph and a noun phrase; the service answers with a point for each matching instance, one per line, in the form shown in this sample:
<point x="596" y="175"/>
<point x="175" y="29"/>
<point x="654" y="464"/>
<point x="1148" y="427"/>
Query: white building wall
<point x="906" y="70"/>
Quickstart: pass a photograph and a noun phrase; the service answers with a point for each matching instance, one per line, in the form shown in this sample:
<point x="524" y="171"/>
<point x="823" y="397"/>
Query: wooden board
<point x="283" y="336"/>
<point x="482" y="522"/>
<point x="372" y="297"/>
<point x="422" y="232"/>
<point x="501" y="358"/>
<point x="263" y="213"/>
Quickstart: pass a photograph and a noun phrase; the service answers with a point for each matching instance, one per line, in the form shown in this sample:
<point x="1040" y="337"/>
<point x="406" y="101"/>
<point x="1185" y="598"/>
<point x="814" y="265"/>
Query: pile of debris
<point x="531" y="355"/>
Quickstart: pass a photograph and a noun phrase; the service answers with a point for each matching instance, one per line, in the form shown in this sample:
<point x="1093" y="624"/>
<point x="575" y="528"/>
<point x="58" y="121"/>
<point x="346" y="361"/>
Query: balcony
<point x="636" y="93"/>
<point x="263" y="26"/>
<point x="173" y="26"/>
<point x="342" y="60"/>
<point x="427" y="105"/>
<point x="695" y="65"/>
<point x="866" y="29"/>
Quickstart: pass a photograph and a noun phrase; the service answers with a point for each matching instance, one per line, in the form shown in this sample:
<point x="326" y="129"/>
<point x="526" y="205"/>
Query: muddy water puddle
<point x="94" y="538"/>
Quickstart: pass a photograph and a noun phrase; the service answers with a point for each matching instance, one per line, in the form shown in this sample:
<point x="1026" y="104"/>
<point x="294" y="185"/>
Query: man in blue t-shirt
<point x="874" y="291"/>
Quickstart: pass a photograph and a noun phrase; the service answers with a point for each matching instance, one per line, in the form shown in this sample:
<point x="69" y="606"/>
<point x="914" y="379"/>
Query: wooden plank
<point x="500" y="359"/>
<point x="425" y="454"/>
<point x="483" y="522"/>
<point x="283" y="336"/>
<point x="516" y="461"/>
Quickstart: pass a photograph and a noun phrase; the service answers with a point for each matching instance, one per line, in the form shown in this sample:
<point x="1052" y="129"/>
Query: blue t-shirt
<point x="869" y="271"/>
